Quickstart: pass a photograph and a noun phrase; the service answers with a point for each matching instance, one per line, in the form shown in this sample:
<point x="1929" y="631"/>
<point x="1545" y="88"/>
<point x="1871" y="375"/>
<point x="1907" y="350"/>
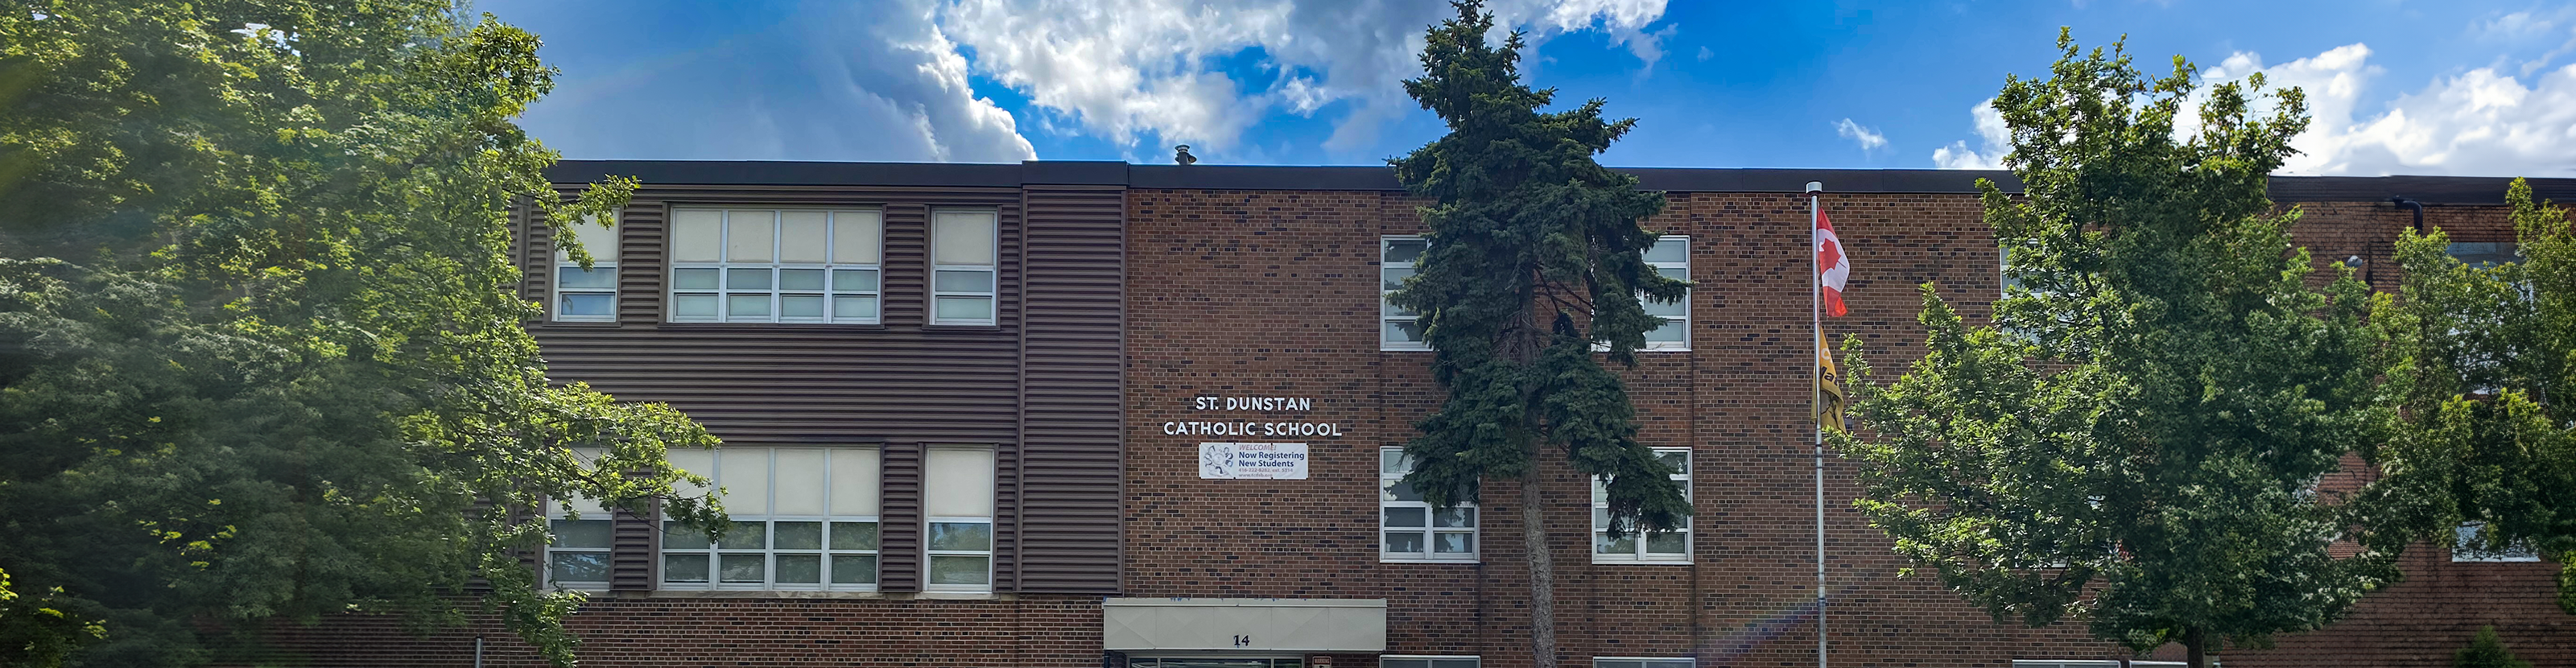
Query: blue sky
<point x="2455" y="87"/>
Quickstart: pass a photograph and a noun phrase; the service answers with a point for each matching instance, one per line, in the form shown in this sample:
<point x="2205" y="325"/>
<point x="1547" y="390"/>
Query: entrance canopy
<point x="1244" y="624"/>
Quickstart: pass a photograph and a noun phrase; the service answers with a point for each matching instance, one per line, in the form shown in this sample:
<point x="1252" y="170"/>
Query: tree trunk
<point x="1542" y="572"/>
<point x="2195" y="647"/>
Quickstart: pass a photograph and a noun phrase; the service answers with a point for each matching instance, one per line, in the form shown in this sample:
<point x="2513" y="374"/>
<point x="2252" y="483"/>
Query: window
<point x="586" y="295"/>
<point x="2485" y="254"/>
<point x="964" y="251"/>
<point x="1656" y="546"/>
<point x="1412" y="529"/>
<point x="2092" y="663"/>
<point x="1398" y="328"/>
<point x="1393" y="661"/>
<point x="577" y="556"/>
<point x="1670" y="256"/>
<point x="774" y="265"/>
<point x="1212" y="662"/>
<point x="1636" y="662"/>
<point x="803" y="519"/>
<point x="957" y="497"/>
<point x="2467" y="547"/>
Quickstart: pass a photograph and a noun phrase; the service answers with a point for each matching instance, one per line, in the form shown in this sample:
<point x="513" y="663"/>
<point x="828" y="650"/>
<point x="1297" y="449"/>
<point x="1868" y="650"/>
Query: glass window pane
<point x="749" y="567"/>
<point x="1404" y="517"/>
<point x="1405" y="542"/>
<point x="1675" y="273"/>
<point x="961" y="536"/>
<point x="959" y="483"/>
<point x="577" y="566"/>
<point x="676" y="536"/>
<point x="799" y="488"/>
<point x="855" y="235"/>
<point x="587" y="305"/>
<point x="854" y="569"/>
<point x="747" y="279"/>
<point x="962" y="237"/>
<point x="1451" y="542"/>
<point x="1672" y="331"/>
<point x="1405" y="250"/>
<point x="693" y="306"/>
<point x="1391" y="461"/>
<point x="1396" y="490"/>
<point x="747" y="306"/>
<point x="800" y="238"/>
<point x="1403" y="663"/>
<point x="951" y="570"/>
<point x="800" y="569"/>
<point x="693" y="279"/>
<point x="1667" y="542"/>
<point x="854" y="535"/>
<point x="743" y="535"/>
<point x="854" y="308"/>
<point x="1392" y="278"/>
<point x="1600" y="516"/>
<point x="1680" y="461"/>
<point x="800" y="306"/>
<point x="600" y="240"/>
<point x="696" y="235"/>
<point x="965" y="308"/>
<point x="581" y="533"/>
<point x="1600" y="663"/>
<point x="1671" y="309"/>
<point x="796" y="535"/>
<point x="751" y="236"/>
<point x="745" y="478"/>
<point x="1453" y="663"/>
<point x="800" y="279"/>
<point x="684" y="568"/>
<point x="1402" y="331"/>
<point x="854" y="280"/>
<point x="1602" y="543"/>
<point x="963" y="281"/>
<point x="1389" y="308"/>
<point x="1461" y="517"/>
<point x="575" y="277"/>
<point x="854" y="482"/>
<point x="1681" y="663"/>
<point x="1669" y="249"/>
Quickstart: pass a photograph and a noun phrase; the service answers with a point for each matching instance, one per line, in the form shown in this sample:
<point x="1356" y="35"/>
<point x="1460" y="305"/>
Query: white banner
<point x="1252" y="461"/>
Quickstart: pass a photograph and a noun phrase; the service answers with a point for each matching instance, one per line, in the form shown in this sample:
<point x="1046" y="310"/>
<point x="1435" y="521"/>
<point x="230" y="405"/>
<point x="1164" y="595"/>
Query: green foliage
<point x="1535" y="258"/>
<point x="2134" y="442"/>
<point x="260" y="355"/>
<point x="2487" y="651"/>
<point x="2484" y="358"/>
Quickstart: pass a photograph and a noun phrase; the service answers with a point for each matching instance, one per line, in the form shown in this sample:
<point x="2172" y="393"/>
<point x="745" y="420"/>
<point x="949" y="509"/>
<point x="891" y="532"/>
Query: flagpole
<point x="1816" y="318"/>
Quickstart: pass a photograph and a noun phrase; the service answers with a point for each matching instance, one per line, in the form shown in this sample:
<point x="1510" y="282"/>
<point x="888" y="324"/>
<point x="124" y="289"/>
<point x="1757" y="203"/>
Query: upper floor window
<point x="1412" y="530"/>
<point x="803" y="519"/>
<point x="586" y="295"/>
<point x="1398" y="328"/>
<point x="1670" y="256"/>
<point x="957" y="502"/>
<point x="2484" y="254"/>
<point x="776" y="265"/>
<point x="1643" y="546"/>
<point x="965" y="260"/>
<point x="2466" y="546"/>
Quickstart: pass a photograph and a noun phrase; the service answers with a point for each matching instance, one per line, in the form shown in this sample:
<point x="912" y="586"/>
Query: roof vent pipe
<point x="2405" y="202"/>
<point x="1181" y="155"/>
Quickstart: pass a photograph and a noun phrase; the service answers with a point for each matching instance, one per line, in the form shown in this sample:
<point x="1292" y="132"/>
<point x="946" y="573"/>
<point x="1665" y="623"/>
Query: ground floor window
<point x="1213" y="662"/>
<point x="1399" y="661"/>
<point x="1641" y="662"/>
<point x="2092" y="663"/>
<point x="803" y="519"/>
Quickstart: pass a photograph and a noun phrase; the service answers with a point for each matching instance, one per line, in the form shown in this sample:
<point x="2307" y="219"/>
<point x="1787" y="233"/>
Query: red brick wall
<point x="1274" y="293"/>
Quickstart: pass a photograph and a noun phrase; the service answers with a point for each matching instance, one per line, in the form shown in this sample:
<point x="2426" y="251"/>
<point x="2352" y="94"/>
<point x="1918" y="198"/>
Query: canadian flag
<point x="1832" y="268"/>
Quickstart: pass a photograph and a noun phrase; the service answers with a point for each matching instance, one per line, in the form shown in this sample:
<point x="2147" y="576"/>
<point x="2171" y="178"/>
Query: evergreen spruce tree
<point x="261" y="355"/>
<point x="2136" y="440"/>
<point x="2487" y="651"/>
<point x="1533" y="274"/>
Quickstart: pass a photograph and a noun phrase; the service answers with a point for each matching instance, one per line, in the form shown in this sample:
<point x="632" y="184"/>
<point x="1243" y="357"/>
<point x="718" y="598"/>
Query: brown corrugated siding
<point x="901" y="384"/>
<point x="1070" y="404"/>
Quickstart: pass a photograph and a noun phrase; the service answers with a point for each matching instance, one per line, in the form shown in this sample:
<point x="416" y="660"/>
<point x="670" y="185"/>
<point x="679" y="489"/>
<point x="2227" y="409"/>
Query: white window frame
<point x="1641" y="661"/>
<point x="1387" y="317"/>
<point x="993" y="479"/>
<point x="714" y="553"/>
<point x="588" y="510"/>
<point x="1636" y="535"/>
<point x="1393" y="458"/>
<point x="1430" y="660"/>
<point x="2464" y="547"/>
<point x="834" y="271"/>
<point x="603" y="262"/>
<point x="1684" y="321"/>
<point x="993" y="272"/>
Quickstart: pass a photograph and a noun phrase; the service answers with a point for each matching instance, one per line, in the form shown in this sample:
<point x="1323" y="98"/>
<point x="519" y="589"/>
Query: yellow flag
<point x="1829" y="388"/>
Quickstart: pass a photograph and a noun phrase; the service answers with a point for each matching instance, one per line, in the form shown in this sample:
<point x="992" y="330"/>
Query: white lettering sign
<point x="1252" y="461"/>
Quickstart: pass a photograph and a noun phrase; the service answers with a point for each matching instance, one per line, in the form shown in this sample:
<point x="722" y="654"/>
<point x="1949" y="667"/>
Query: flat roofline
<point x="2452" y="190"/>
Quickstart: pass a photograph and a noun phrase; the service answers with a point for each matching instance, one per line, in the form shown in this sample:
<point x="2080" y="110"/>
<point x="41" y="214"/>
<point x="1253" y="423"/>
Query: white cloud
<point x="1995" y="141"/>
<point x="1705" y="54"/>
<point x="1145" y="69"/>
<point x="2480" y="122"/>
<point x="1868" y="139"/>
